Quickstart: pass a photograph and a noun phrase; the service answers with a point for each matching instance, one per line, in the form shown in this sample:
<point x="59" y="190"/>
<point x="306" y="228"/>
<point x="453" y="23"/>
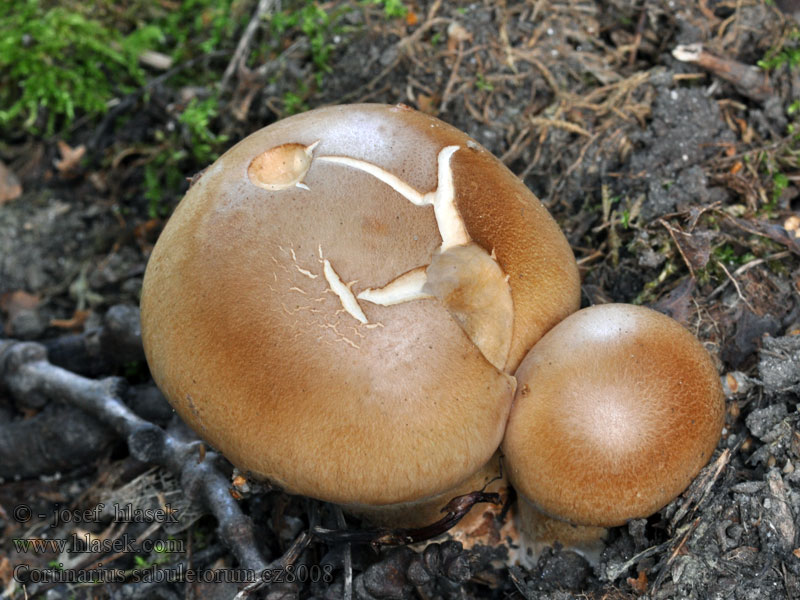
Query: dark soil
<point x="661" y="174"/>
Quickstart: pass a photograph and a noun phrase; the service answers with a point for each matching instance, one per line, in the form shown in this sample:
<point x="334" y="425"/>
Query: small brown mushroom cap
<point x="257" y="329"/>
<point x="617" y="409"/>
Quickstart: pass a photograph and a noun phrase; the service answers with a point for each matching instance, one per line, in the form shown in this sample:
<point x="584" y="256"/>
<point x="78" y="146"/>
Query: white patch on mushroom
<point x="377" y="172"/>
<point x="443" y="198"/>
<point x="281" y="167"/>
<point x="448" y="219"/>
<point x="305" y="272"/>
<point x="345" y="294"/>
<point x="467" y="279"/>
<point x="407" y="287"/>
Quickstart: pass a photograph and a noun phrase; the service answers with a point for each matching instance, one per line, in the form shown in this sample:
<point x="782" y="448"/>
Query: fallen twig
<point x="746" y="267"/>
<point x="289" y="558"/>
<point x="25" y="370"/>
<point x="736" y="285"/>
<point x="98" y="350"/>
<point x="348" y="558"/>
<point x="750" y="81"/>
<point x="238" y="59"/>
<point x="401" y="47"/>
<point x="59" y="438"/>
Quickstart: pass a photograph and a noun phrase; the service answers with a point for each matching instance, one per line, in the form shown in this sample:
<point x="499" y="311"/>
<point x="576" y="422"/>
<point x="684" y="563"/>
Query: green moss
<point x="55" y="63"/>
<point x="392" y="8"/>
<point x="59" y="61"/>
<point x="787" y="53"/>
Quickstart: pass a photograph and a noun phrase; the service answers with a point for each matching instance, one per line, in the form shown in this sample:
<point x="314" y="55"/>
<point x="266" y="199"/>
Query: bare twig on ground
<point x="448" y="89"/>
<point x="746" y="267"/>
<point x="750" y="81"/>
<point x="672" y="232"/>
<point x="290" y="556"/>
<point x="98" y="350"/>
<point x="240" y="55"/>
<point x="637" y="40"/>
<point x="401" y="47"/>
<point x="60" y="438"/>
<point x="25" y="370"/>
<point x="348" y="558"/>
<point x="736" y="285"/>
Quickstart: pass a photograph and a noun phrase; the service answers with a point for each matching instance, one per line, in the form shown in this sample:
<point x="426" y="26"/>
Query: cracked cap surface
<point x="256" y="348"/>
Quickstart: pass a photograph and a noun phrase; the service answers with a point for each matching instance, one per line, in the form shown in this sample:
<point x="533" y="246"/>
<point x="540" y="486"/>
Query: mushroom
<point x="338" y="302"/>
<point x="617" y="409"/>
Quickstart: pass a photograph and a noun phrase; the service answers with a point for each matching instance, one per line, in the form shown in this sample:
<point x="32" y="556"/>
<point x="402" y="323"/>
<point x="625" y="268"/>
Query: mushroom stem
<point x="617" y="409"/>
<point x="423" y="512"/>
<point x="455" y="510"/>
<point x="538" y="531"/>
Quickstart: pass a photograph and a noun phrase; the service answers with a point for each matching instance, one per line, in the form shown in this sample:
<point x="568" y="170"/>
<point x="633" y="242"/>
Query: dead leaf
<point x="676" y="304"/>
<point x="750" y="329"/>
<point x="457" y="33"/>
<point x="147" y="231"/>
<point x="695" y="248"/>
<point x="698" y="248"/>
<point x="10" y="187"/>
<point x="98" y="180"/>
<point x="792" y="225"/>
<point x="428" y="104"/>
<point x="639" y="584"/>
<point x="5" y="571"/>
<point x="14" y="303"/>
<point x="70" y="159"/>
<point x="769" y="230"/>
<point x="75" y="323"/>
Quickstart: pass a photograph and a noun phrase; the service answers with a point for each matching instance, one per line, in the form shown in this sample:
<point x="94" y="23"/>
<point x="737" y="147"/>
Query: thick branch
<point x="59" y="438"/>
<point x="24" y="369"/>
<point x="99" y="350"/>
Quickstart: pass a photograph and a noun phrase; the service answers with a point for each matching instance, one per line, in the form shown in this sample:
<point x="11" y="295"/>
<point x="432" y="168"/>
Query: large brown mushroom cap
<point x="254" y="330"/>
<point x="617" y="409"/>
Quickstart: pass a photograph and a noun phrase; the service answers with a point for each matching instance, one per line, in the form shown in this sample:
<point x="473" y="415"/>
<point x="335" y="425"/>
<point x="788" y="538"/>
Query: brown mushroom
<point x="617" y="409"/>
<point x="338" y="302"/>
